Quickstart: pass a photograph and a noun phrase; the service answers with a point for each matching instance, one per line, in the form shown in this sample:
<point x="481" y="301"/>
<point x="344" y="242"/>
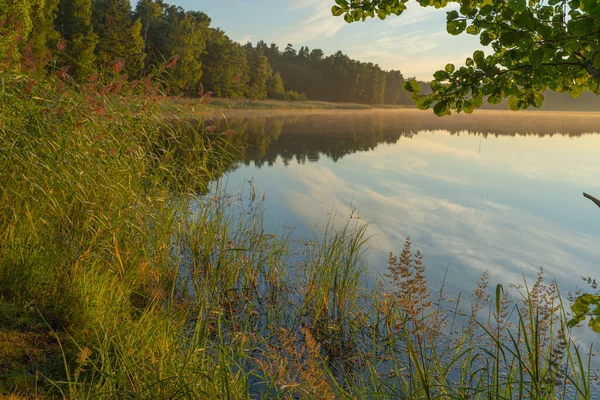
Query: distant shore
<point x="483" y="121"/>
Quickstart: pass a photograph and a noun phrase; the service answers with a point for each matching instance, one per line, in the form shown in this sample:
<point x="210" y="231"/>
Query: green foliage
<point x="370" y="84"/>
<point x="16" y="22"/>
<point x="534" y="46"/>
<point x="188" y="37"/>
<point x="119" y="36"/>
<point x="394" y="89"/>
<point x="335" y="78"/>
<point x="259" y="71"/>
<point x="43" y="35"/>
<point x="175" y="41"/>
<point x="225" y="66"/>
<point x="582" y="309"/>
<point x="292" y="95"/>
<point x="180" y="51"/>
<point x="74" y="23"/>
<point x="25" y="24"/>
<point x="275" y="87"/>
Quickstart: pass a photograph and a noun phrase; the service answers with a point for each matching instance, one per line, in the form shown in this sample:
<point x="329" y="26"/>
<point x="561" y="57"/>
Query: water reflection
<point x="308" y="137"/>
<point x="473" y="196"/>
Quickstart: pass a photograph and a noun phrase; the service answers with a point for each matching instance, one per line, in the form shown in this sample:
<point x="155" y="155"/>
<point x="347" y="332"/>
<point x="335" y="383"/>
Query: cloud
<point x="319" y="24"/>
<point x="245" y="39"/>
<point x="410" y="192"/>
<point x="300" y="4"/>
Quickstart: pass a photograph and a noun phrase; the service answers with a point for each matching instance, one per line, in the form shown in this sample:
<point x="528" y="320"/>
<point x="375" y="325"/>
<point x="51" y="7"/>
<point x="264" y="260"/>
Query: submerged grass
<point x="120" y="278"/>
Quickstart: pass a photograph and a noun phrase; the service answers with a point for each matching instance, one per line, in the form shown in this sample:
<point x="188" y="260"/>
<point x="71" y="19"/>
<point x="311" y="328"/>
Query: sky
<point x="416" y="42"/>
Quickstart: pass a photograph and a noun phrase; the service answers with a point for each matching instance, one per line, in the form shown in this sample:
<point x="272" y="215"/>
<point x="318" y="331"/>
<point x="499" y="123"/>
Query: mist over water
<point x="497" y="191"/>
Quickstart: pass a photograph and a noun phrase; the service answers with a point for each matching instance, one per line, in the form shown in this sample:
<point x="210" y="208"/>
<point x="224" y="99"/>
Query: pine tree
<point x="275" y="87"/>
<point x="154" y="31"/>
<point x="74" y="22"/>
<point x="225" y="66"/>
<point x="119" y="35"/>
<point x="188" y="34"/>
<point x="394" y="89"/>
<point x="16" y="23"/>
<point x="259" y="72"/>
<point x="43" y="36"/>
<point x="134" y="66"/>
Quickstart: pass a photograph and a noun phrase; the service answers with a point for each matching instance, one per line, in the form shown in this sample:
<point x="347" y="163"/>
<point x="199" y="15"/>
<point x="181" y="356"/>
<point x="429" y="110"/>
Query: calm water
<point x="473" y="193"/>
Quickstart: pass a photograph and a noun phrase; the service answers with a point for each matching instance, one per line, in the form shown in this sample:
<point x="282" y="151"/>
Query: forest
<point x="185" y="54"/>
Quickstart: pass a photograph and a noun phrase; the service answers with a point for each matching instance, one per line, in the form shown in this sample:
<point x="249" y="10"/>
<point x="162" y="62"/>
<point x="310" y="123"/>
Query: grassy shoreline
<point x="119" y="278"/>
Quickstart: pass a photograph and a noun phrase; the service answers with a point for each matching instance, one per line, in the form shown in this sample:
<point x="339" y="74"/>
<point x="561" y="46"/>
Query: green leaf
<point x="486" y="38"/>
<point x="449" y="68"/>
<point x="517" y="5"/>
<point x="581" y="308"/>
<point x="441" y="109"/>
<point x="575" y="91"/>
<point x="348" y="18"/>
<point x="456" y="27"/>
<point x="538" y="100"/>
<point x="441" y="75"/>
<point x="423" y="102"/>
<point x="337" y="11"/>
<point x="526" y="20"/>
<point x="479" y="57"/>
<point x="509" y="38"/>
<point x="594" y="324"/>
<point x="473" y="30"/>
<point x="536" y="58"/>
<point x="412" y="86"/>
<point x="493" y="99"/>
<point x="514" y="103"/>
<point x="596" y="61"/>
<point x="452" y="15"/>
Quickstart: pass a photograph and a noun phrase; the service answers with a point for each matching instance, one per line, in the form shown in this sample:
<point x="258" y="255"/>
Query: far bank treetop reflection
<point x="266" y="136"/>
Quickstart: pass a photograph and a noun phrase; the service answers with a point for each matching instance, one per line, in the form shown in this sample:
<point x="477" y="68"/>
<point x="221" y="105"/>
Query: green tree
<point x="275" y="87"/>
<point x="534" y="45"/>
<point x="119" y="36"/>
<point x="225" y="66"/>
<point x="258" y="73"/>
<point x="175" y="38"/>
<point x="154" y="31"/>
<point x="74" y="22"/>
<point x="43" y="36"/>
<point x="187" y="39"/>
<point x="25" y="23"/>
<point x="369" y="84"/>
<point x="394" y="89"/>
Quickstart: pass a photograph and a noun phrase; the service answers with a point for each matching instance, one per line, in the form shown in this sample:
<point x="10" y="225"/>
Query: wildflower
<point x="170" y="63"/>
<point x="62" y="75"/>
<point x="61" y="45"/>
<point x="118" y="65"/>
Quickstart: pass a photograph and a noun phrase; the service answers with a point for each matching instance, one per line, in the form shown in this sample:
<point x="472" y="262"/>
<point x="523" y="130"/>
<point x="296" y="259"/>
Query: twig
<point x="592" y="198"/>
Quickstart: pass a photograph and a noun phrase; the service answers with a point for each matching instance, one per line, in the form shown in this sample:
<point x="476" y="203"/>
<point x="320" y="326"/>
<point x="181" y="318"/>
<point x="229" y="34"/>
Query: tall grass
<point x="141" y="283"/>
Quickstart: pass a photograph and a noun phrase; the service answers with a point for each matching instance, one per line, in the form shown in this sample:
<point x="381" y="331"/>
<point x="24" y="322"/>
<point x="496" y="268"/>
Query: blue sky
<point x="416" y="42"/>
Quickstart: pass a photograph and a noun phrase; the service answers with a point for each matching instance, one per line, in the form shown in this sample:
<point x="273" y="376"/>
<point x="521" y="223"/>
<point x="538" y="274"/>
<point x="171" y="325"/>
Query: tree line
<point x="182" y="51"/>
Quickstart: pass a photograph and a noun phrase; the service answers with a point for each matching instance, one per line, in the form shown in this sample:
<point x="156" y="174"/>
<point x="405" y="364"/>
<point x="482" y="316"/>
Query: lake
<point x="496" y="191"/>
